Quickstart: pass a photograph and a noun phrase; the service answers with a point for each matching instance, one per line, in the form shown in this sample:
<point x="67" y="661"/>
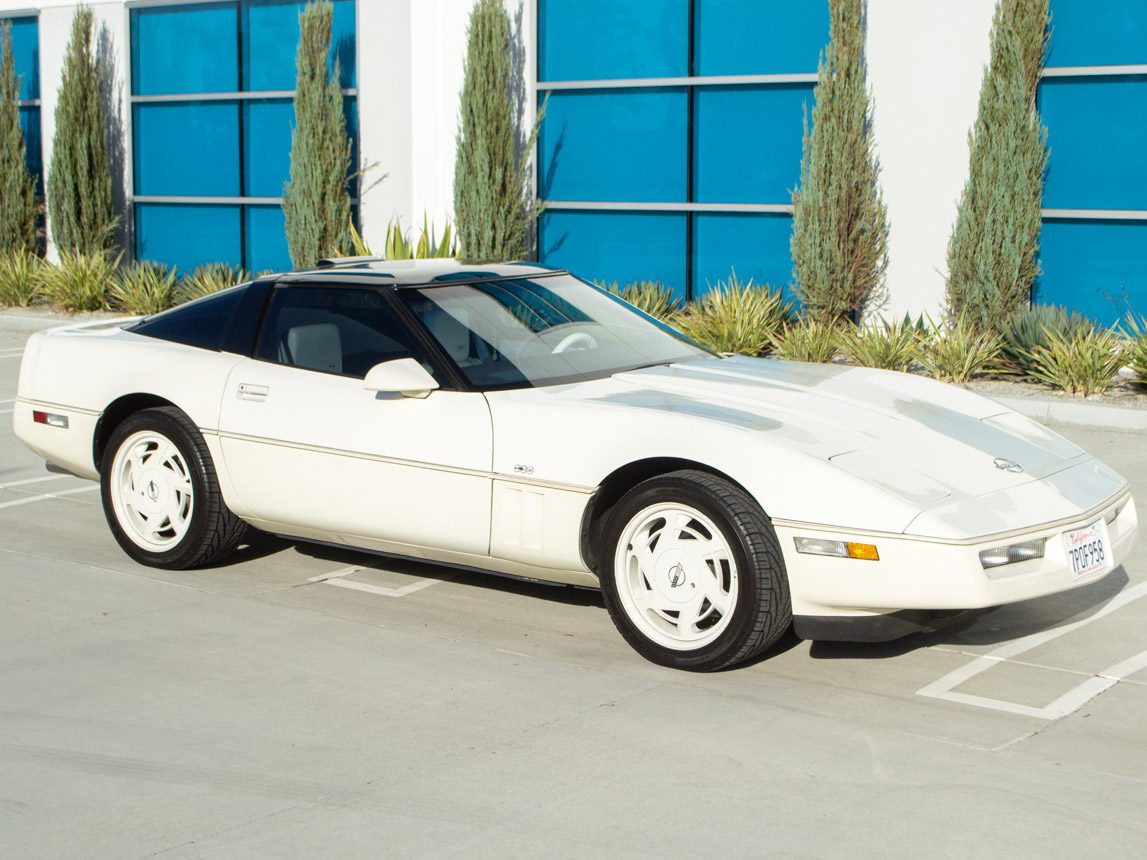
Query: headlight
<point x="1001" y="555"/>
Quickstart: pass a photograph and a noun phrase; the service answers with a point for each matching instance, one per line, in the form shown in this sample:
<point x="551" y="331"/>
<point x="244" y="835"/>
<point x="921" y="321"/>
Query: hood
<point x="917" y="438"/>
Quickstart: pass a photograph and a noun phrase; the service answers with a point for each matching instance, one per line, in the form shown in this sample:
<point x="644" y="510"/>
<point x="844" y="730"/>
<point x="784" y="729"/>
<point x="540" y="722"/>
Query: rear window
<point x="202" y="323"/>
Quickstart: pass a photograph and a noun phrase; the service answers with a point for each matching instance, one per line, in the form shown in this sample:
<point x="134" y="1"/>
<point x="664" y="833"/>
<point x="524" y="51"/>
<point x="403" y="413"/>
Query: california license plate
<point x="1087" y="550"/>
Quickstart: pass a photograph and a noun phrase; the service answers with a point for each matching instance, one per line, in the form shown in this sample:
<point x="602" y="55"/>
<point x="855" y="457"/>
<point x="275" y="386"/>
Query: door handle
<point x="258" y="393"/>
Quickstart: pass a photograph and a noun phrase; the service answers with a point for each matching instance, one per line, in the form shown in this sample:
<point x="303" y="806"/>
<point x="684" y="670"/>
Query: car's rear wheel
<point x="160" y="493"/>
<point x="693" y="575"/>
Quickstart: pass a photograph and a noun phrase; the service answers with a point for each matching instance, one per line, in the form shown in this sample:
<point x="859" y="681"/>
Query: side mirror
<point x="403" y="376"/>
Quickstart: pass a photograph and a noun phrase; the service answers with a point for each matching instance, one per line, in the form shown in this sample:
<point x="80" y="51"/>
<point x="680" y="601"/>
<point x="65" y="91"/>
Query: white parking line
<point x="27" y="481"/>
<point x="45" y="496"/>
<point x="336" y="579"/>
<point x="1066" y="704"/>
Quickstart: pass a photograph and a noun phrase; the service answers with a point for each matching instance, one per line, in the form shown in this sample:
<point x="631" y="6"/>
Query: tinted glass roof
<point x="416" y="272"/>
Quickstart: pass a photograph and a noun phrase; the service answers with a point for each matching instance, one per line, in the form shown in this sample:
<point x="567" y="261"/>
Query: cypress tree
<point x="840" y="224"/>
<point x="491" y="205"/>
<point x="315" y="199"/>
<point x="80" y="207"/>
<point x="992" y="250"/>
<point x="17" y="190"/>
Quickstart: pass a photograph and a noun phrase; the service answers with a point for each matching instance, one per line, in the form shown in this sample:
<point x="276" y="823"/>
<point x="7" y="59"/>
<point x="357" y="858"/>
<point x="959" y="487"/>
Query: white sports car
<point x="515" y="419"/>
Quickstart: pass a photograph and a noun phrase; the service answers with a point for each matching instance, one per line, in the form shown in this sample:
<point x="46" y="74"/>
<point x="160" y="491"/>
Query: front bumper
<point x="921" y="574"/>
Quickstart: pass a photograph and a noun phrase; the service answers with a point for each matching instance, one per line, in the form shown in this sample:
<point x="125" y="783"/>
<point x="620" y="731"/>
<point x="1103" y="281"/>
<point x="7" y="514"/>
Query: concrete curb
<point x="37" y="320"/>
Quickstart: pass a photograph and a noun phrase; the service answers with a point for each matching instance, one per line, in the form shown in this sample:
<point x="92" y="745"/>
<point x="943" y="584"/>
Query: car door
<point x="311" y="452"/>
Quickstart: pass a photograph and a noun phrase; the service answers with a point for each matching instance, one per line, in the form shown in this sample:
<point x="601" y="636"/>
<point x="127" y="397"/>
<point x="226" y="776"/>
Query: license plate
<point x="1087" y="550"/>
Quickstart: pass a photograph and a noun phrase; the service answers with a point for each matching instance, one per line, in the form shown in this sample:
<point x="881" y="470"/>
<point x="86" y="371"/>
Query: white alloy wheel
<point x="151" y="491"/>
<point x="676" y="576"/>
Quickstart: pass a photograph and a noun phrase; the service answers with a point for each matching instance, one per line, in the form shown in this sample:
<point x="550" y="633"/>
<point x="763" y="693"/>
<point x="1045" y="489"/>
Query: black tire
<point x="212" y="531"/>
<point x="761" y="610"/>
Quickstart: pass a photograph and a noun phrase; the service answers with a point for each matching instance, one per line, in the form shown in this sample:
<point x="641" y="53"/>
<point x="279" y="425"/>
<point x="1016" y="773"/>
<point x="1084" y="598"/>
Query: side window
<point x="334" y="330"/>
<point x="202" y="323"/>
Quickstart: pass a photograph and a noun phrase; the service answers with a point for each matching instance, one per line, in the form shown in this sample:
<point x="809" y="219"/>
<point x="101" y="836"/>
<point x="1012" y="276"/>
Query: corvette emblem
<point x="1008" y="465"/>
<point x="676" y="575"/>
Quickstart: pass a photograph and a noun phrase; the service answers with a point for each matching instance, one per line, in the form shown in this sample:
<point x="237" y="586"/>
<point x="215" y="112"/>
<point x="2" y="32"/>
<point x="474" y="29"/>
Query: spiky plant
<point x="992" y="251"/>
<point x="81" y="211"/>
<point x="883" y="344"/>
<point x="143" y="288"/>
<point x="956" y="351"/>
<point x="207" y="279"/>
<point x="400" y="247"/>
<point x="81" y="282"/>
<point x="652" y="297"/>
<point x="809" y="340"/>
<point x="735" y="317"/>
<point x="840" y="224"/>
<point x="492" y="207"/>
<point x="1029" y="327"/>
<point x="316" y="203"/>
<point x="1083" y="362"/>
<point x="17" y="188"/>
<point x="1137" y="348"/>
<point x="20" y="278"/>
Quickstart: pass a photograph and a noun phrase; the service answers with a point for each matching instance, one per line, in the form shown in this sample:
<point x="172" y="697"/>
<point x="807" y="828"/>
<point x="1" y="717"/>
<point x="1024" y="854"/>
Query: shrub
<point x="80" y="208"/>
<point x="735" y="317"/>
<point x="1085" y="361"/>
<point x="810" y="340"/>
<point x="957" y="351"/>
<point x="883" y="344"/>
<point x="491" y="165"/>
<point x="1028" y="328"/>
<point x="80" y="282"/>
<point x="143" y="288"/>
<point x="652" y="297"/>
<point x="20" y="278"/>
<point x="1137" y="348"/>
<point x="209" y="278"/>
<point x="840" y="224"/>
<point x="17" y="190"/>
<point x="316" y="204"/>
<point x="400" y="247"/>
<point x="992" y="250"/>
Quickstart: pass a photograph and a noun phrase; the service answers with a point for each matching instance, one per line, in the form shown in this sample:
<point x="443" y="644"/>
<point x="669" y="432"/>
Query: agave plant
<point x="1086" y="361"/>
<point x="883" y="344"/>
<point x="810" y="340"/>
<point x="143" y="288"/>
<point x="955" y="351"/>
<point x="20" y="275"/>
<point x="400" y="247"/>
<point x="80" y="282"/>
<point x="1027" y="329"/>
<point x="1137" y="348"/>
<point x="652" y="297"/>
<point x="736" y="317"/>
<point x="210" y="278"/>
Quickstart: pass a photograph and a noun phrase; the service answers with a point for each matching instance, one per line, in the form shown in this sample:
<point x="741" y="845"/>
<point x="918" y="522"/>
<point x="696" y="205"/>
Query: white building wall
<point x="925" y="65"/>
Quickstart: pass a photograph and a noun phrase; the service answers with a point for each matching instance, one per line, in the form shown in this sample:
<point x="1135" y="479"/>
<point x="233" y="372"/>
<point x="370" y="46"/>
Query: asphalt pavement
<point x="306" y="702"/>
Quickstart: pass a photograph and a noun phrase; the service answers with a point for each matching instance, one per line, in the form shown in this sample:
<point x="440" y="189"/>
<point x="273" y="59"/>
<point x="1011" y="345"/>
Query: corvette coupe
<point x="516" y="419"/>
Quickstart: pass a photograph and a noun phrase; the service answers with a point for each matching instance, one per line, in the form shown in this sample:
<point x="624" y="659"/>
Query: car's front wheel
<point x="160" y="493"/>
<point x="692" y="572"/>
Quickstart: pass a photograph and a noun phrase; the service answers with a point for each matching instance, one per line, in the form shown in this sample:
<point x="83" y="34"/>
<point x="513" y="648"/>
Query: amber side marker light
<point x="50" y="418"/>
<point x="838" y="548"/>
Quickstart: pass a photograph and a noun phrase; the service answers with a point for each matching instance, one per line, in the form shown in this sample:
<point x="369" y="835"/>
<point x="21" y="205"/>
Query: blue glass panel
<point x="266" y="239"/>
<point x="1096" y="128"/>
<point x="26" y="54"/>
<point x="267" y="148"/>
<point x="187" y="148"/>
<point x="33" y="151"/>
<point x="759" y="38"/>
<point x="185" y="49"/>
<point x="271" y="38"/>
<point x="1096" y="267"/>
<point x="614" y="145"/>
<point x="187" y="236"/>
<point x="589" y="40"/>
<point x="748" y="143"/>
<point x="755" y="245"/>
<point x="350" y="110"/>
<point x="616" y="246"/>
<point x="1105" y="33"/>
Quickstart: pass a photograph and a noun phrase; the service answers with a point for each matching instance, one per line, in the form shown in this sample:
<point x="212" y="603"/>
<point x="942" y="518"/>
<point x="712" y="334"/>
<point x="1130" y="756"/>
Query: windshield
<point x="542" y="331"/>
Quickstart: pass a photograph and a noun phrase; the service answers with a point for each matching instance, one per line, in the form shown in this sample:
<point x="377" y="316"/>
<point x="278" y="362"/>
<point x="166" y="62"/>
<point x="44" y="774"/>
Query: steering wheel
<point x="576" y="340"/>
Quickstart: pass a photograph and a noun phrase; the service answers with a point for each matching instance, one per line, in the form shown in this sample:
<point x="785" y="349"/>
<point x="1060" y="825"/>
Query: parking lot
<point x="303" y="701"/>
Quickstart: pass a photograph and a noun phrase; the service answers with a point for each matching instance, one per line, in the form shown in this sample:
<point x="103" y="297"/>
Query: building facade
<point x="670" y="140"/>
